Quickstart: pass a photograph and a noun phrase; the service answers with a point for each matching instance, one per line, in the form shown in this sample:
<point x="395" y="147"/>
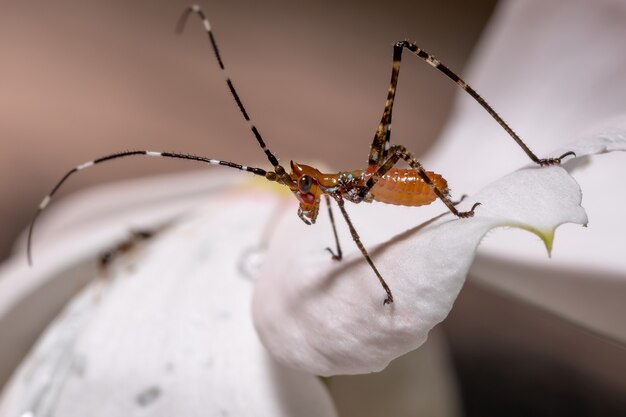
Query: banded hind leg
<point x="399" y="152"/>
<point x="380" y="145"/>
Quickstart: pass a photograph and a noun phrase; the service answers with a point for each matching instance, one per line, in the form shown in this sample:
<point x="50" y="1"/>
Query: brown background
<point x="80" y="79"/>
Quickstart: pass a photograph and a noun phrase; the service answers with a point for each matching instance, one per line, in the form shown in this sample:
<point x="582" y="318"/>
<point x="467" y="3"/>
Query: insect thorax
<point x="350" y="184"/>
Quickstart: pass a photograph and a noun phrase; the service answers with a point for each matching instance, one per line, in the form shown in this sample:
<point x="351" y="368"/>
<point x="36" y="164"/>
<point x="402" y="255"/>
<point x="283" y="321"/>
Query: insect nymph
<point x="379" y="181"/>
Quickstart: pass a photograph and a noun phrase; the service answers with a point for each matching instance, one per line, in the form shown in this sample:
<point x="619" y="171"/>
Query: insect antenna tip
<point x="182" y="20"/>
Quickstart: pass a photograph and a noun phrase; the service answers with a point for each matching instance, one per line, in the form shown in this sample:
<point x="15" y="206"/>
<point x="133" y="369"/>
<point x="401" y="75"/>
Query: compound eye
<point x="304" y="183"/>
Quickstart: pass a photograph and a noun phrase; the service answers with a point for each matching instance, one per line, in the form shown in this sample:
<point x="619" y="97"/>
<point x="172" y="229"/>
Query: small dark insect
<point x="379" y="181"/>
<point x="136" y="237"/>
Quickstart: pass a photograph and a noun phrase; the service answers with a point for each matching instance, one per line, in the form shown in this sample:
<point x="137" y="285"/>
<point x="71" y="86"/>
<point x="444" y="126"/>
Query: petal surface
<point x="328" y="318"/>
<point x="169" y="333"/>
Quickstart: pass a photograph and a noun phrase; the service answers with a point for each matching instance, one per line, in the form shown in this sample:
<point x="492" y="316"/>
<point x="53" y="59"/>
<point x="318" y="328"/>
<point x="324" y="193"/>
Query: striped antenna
<point x="46" y="201"/>
<point x="207" y="26"/>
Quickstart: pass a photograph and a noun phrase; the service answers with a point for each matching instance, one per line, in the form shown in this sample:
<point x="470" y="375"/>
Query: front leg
<point x="304" y="219"/>
<point x="339" y="255"/>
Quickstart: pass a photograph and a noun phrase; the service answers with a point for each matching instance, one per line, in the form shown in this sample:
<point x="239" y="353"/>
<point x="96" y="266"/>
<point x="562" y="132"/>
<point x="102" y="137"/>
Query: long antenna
<point x="46" y="201"/>
<point x="207" y="26"/>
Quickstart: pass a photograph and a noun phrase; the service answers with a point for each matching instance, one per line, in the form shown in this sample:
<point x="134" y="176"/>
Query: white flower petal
<point x="328" y="318"/>
<point x="172" y="338"/>
<point x="552" y="70"/>
<point x="72" y="233"/>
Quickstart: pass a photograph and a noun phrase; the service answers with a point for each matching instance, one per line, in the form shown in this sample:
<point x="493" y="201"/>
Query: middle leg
<point x="359" y="244"/>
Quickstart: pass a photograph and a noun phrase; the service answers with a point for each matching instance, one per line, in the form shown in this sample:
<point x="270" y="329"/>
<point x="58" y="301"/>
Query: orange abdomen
<point x="404" y="187"/>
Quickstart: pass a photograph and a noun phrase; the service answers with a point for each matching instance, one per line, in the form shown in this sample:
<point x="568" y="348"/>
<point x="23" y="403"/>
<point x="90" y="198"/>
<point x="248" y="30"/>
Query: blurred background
<point x="80" y="79"/>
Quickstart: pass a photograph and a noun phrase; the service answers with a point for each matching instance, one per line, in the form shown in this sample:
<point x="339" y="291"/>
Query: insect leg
<point x="460" y="200"/>
<point x="44" y="203"/>
<point x="339" y="255"/>
<point x="381" y="140"/>
<point x="357" y="240"/>
<point x="380" y="144"/>
<point x="399" y="152"/>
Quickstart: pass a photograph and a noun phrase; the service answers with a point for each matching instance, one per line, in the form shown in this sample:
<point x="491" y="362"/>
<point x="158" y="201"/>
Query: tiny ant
<point x="379" y="181"/>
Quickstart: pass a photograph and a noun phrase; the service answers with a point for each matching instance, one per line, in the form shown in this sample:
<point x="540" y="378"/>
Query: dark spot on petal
<point x="148" y="396"/>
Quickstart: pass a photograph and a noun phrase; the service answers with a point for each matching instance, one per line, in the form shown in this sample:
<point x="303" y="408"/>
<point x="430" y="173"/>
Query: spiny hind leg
<point x="439" y="66"/>
<point x="399" y="152"/>
<point x="380" y="145"/>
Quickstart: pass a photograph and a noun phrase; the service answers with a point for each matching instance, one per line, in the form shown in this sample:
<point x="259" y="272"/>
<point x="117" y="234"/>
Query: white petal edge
<point x="422" y="382"/>
<point x="328" y="318"/>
